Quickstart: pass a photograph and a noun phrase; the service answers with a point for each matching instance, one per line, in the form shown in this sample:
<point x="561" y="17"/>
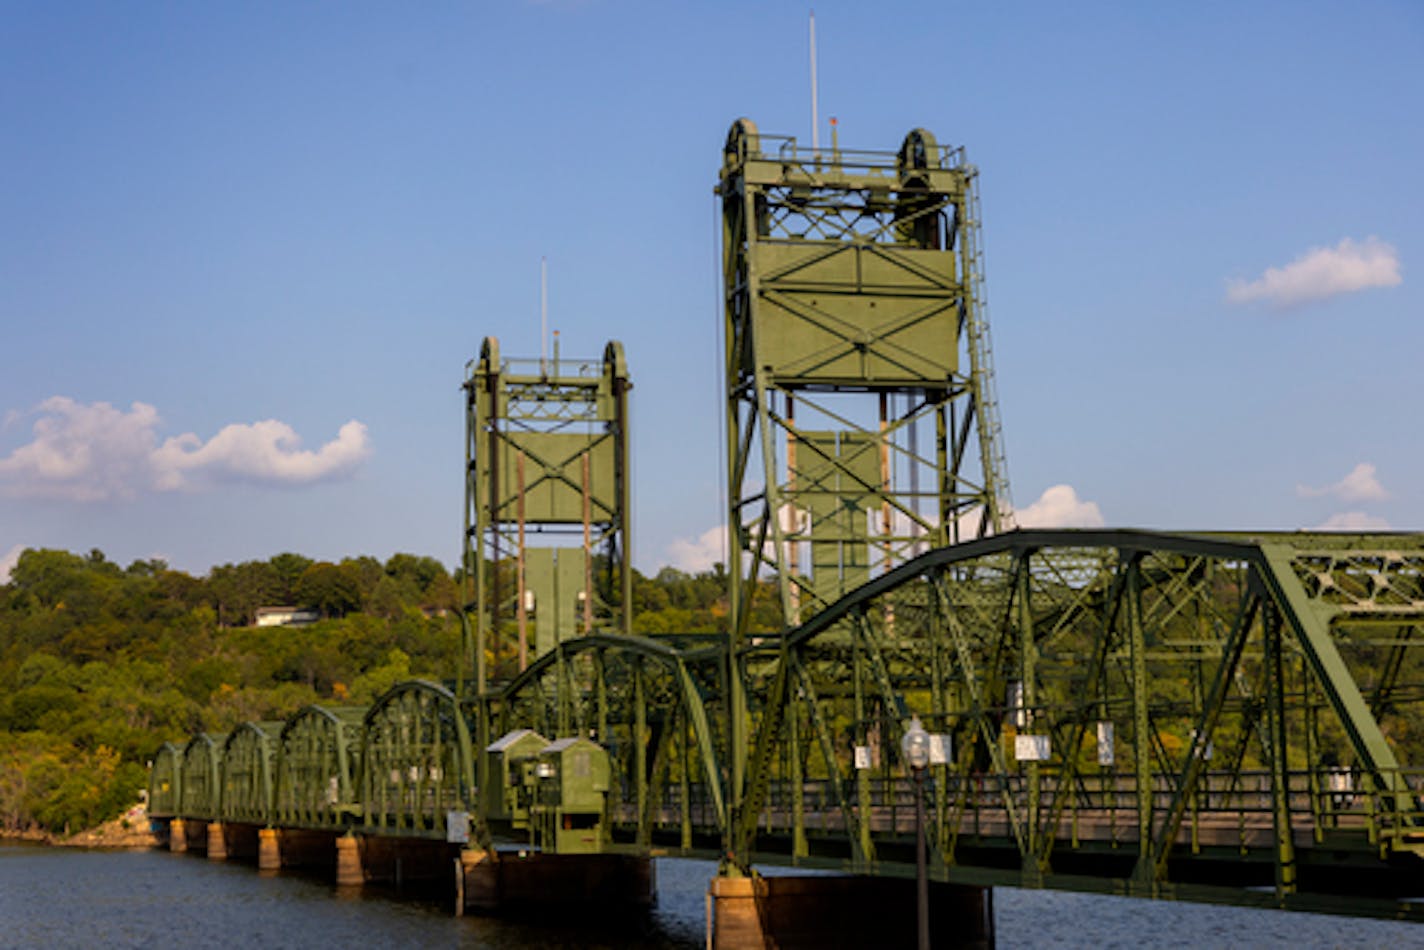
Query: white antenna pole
<point x="543" y="315"/>
<point x="815" y="117"/>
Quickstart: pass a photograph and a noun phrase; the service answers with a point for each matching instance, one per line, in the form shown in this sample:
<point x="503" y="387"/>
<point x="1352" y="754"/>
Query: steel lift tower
<point x="861" y="422"/>
<point x="546" y="462"/>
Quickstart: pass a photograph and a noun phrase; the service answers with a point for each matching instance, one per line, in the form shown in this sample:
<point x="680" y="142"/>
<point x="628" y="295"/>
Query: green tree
<point x="329" y="588"/>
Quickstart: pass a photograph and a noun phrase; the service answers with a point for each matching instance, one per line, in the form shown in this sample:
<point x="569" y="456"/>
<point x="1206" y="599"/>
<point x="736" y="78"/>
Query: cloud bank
<point x="694" y="555"/>
<point x="1060" y="507"/>
<point x="95" y="452"/>
<point x="1353" y="521"/>
<point x="1321" y="273"/>
<point x="1359" y="485"/>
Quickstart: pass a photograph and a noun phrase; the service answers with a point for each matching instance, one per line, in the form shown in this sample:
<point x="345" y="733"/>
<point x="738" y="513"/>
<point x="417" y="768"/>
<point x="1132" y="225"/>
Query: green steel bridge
<point x="1218" y="716"/>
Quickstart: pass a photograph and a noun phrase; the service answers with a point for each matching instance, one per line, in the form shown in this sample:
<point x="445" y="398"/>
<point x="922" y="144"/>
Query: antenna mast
<point x="815" y="115"/>
<point x="543" y="316"/>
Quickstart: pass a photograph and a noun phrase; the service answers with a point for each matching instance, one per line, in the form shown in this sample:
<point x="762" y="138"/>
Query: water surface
<point x="59" y="897"/>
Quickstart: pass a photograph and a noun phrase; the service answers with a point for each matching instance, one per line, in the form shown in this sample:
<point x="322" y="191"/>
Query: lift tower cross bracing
<point x="861" y="423"/>
<point x="546" y="497"/>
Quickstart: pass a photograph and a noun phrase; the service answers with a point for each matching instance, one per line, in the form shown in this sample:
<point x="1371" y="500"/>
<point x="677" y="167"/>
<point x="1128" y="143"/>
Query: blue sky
<point x="246" y="250"/>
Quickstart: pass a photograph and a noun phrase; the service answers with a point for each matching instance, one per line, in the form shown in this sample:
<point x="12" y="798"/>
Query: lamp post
<point x="915" y="748"/>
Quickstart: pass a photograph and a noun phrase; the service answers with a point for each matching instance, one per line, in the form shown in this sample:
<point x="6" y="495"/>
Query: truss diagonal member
<point x="1309" y="620"/>
<point x="1201" y="739"/>
<point x="807" y="688"/>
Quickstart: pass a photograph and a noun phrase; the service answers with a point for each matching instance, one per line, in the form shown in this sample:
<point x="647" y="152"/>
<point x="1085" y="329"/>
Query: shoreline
<point x="128" y="832"/>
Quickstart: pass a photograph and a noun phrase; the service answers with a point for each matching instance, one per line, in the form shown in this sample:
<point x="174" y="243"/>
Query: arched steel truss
<point x="418" y="761"/>
<point x="1208" y="715"/>
<point x="164" y="777"/>
<point x="248" y="763"/>
<point x="199" y="789"/>
<point x="318" y="767"/>
<point x="652" y="705"/>
<point x="1246" y="685"/>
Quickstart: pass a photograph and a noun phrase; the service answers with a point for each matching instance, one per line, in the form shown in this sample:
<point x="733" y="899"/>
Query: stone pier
<point x="217" y="841"/>
<point x="269" y="850"/>
<point x="177" y="836"/>
<point x="348" y="862"/>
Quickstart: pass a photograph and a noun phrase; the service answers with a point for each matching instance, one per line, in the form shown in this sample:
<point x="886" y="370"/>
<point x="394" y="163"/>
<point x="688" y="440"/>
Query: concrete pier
<point x="349" y="872"/>
<point x="269" y="851"/>
<point x="797" y="912"/>
<point x="177" y="836"/>
<point x="217" y="842"/>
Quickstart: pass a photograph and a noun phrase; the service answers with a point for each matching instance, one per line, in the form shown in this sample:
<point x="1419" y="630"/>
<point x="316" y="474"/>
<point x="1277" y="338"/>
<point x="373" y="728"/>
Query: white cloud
<point x="266" y="451"/>
<point x="1059" y="507"/>
<point x="1322" y="272"/>
<point x="1359" y="485"/>
<point x="699" y="553"/>
<point x="8" y="560"/>
<point x="1353" y="521"/>
<point x="96" y="452"/>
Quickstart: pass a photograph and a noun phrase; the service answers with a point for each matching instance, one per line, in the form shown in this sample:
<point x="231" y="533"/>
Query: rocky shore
<point x="129" y="830"/>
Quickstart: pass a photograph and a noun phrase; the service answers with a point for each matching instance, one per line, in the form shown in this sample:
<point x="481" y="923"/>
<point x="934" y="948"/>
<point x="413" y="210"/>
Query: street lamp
<point x="915" y="748"/>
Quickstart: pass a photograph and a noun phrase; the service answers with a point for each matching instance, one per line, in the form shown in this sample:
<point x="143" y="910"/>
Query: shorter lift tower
<point x="861" y="423"/>
<point x="546" y="499"/>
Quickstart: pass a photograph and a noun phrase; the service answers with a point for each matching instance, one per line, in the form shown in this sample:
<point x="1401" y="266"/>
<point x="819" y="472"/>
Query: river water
<point x="59" y="897"/>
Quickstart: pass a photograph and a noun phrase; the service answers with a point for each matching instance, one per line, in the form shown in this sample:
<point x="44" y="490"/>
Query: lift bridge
<point x="1216" y="716"/>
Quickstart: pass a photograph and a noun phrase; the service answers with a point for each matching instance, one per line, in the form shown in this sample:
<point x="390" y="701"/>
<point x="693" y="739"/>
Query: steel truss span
<point x="1152" y="714"/>
<point x="1214" y="717"/>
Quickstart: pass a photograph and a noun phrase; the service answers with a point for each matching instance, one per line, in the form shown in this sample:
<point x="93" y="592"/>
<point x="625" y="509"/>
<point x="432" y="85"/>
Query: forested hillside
<point x="100" y="664"/>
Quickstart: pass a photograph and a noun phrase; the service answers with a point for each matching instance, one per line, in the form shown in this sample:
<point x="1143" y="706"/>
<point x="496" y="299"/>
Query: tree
<point x="329" y="588"/>
<point x="289" y="568"/>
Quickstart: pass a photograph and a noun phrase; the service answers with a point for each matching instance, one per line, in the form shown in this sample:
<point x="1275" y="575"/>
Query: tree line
<point x="100" y="664"/>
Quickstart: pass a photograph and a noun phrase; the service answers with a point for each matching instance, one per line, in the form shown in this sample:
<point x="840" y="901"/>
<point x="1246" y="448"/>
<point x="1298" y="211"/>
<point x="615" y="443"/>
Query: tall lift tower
<point x="861" y="421"/>
<point x="546" y="493"/>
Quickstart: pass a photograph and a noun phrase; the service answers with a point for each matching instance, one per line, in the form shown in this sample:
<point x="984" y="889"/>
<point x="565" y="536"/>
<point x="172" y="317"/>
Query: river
<point x="60" y="897"/>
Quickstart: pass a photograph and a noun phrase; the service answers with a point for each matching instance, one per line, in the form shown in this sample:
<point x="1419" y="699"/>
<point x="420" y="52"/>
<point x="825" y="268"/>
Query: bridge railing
<point x="1230" y="808"/>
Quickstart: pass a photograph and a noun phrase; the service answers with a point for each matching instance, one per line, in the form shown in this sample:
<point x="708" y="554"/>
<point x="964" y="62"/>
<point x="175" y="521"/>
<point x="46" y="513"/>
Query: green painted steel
<point x="1223" y="717"/>
<point x="1156" y="714"/>
<point x="200" y="788"/>
<point x="249" y="764"/>
<point x="570" y="801"/>
<point x="418" y="763"/>
<point x="546" y="462"/>
<point x="503" y="798"/>
<point x="653" y="704"/>
<point x="861" y="422"/>
<point x="165" y="776"/>
<point x="318" y="768"/>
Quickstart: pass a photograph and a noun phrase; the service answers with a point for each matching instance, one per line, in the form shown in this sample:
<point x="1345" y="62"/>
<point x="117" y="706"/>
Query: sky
<point x="246" y="250"/>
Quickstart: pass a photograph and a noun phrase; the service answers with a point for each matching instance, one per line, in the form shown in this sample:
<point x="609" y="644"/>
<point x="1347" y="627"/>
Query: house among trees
<point x="286" y="616"/>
